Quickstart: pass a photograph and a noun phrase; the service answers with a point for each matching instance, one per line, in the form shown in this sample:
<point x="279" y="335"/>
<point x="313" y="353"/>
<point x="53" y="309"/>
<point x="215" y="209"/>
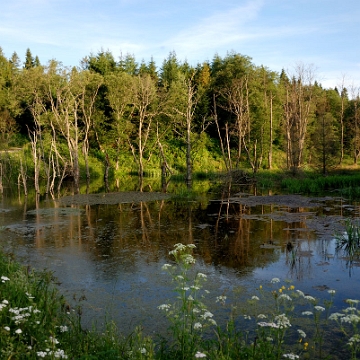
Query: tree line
<point x="126" y="112"/>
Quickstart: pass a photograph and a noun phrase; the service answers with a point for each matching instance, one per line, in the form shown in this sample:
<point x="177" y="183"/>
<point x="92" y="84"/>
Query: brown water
<point x="108" y="258"/>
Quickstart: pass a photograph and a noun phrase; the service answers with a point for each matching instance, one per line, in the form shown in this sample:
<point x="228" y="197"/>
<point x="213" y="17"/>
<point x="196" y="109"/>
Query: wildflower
<point x="201" y="275"/>
<point x="331" y="292"/>
<point x="53" y="340"/>
<point x="319" y="308"/>
<point x="59" y="354"/>
<point x="307" y="313"/>
<point x="285" y="296"/>
<point x="197" y="326"/>
<point x="221" y="299"/>
<point x="29" y="296"/>
<point x="200" y="355"/>
<point x="291" y="356"/>
<point x="260" y="287"/>
<point x="351" y="319"/>
<point x="143" y="350"/>
<point x="351" y="302"/>
<point x="212" y="321"/>
<point x="207" y="314"/>
<point x="301" y="333"/>
<point x="5" y="302"/>
<point x="350" y="309"/>
<point x="280" y="290"/>
<point x="310" y="298"/>
<point x="4" y="278"/>
<point x="189" y="259"/>
<point x="190" y="298"/>
<point x="247" y="317"/>
<point x="335" y="316"/>
<point x="261" y="316"/>
<point x="269" y="338"/>
<point x="300" y="293"/>
<point x="7" y="328"/>
<point x="282" y="321"/>
<point x="18" y="331"/>
<point x="63" y="328"/>
<point x="354" y="339"/>
<point x="306" y="345"/>
<point x="166" y="266"/>
<point x="186" y="288"/>
<point x="292" y="287"/>
<point x="266" y="324"/>
<point x="191" y="246"/>
<point x="193" y="287"/>
<point x="255" y="298"/>
<point x="275" y="280"/>
<point x="179" y="277"/>
<point x="41" y="354"/>
<point x="165" y="307"/>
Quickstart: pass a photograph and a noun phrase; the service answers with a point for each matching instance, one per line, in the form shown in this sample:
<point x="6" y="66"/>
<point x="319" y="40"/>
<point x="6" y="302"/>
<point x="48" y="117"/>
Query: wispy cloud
<point x="217" y="30"/>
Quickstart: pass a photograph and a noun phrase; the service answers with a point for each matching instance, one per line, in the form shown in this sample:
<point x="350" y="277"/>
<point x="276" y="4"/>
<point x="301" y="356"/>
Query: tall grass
<point x="347" y="185"/>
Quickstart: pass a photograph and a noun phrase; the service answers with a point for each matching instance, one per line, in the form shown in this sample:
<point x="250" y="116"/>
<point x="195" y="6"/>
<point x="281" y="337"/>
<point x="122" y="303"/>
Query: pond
<point x="107" y="251"/>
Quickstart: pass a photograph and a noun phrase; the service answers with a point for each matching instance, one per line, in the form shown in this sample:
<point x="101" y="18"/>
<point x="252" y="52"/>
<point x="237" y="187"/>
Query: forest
<point x="110" y="116"/>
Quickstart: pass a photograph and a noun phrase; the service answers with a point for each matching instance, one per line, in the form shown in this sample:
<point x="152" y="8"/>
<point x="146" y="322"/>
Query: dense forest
<point x="174" y="118"/>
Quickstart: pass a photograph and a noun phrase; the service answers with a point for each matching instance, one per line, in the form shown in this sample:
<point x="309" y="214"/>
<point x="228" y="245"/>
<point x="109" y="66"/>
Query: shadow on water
<point x="109" y="257"/>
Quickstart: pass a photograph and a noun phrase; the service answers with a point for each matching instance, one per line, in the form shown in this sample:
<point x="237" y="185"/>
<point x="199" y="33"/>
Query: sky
<point x="278" y="34"/>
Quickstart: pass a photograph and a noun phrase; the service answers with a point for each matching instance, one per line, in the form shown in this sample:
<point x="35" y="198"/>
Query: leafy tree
<point x="120" y="95"/>
<point x="325" y="138"/>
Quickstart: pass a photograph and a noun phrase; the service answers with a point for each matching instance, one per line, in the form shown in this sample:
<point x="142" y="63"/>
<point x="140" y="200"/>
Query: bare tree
<point x="298" y="108"/>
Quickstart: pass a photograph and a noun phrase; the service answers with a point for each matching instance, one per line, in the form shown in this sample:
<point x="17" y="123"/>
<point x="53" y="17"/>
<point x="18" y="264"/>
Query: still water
<point x="108" y="258"/>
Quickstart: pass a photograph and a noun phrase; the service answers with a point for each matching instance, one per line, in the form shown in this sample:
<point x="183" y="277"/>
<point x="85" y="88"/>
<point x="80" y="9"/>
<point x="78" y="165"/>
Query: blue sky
<point x="274" y="33"/>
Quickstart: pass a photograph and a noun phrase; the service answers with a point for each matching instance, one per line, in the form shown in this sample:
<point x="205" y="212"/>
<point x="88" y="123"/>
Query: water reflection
<point x="111" y="255"/>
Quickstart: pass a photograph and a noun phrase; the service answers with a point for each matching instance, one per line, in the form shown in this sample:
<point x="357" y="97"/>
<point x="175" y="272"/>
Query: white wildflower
<point x="207" y="314"/>
<point x="275" y="280"/>
<point x="41" y="354"/>
<point x="335" y="316"/>
<point x="18" y="331"/>
<point x="331" y="292"/>
<point x="166" y="266"/>
<point x="285" y="297"/>
<point x="221" y="299"/>
<point x="319" y="308"/>
<point x="282" y="321"/>
<point x="302" y="333"/>
<point x="300" y="293"/>
<point x="291" y="356"/>
<point x="201" y="275"/>
<point x="255" y="297"/>
<point x="165" y="307"/>
<point x="351" y="301"/>
<point x="307" y="313"/>
<point x="197" y="326"/>
<point x="261" y="316"/>
<point x="7" y="328"/>
<point x="4" y="278"/>
<point x="310" y="298"/>
<point x="200" y="355"/>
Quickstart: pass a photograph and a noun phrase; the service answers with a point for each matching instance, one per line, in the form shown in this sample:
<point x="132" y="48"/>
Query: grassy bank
<point x="276" y="322"/>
